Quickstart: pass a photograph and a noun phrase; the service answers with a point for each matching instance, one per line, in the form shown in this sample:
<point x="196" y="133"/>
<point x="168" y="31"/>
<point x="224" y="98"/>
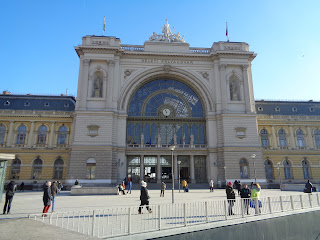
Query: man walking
<point x="54" y="192"/>
<point x="10" y="189"/>
<point x="144" y="197"/>
<point x="162" y="188"/>
<point x="129" y="185"/>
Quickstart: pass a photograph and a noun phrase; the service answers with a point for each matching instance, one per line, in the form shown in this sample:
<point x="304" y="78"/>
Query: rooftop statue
<point x="167" y="36"/>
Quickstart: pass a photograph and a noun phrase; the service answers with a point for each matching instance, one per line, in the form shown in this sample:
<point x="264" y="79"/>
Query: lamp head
<point x="172" y="147"/>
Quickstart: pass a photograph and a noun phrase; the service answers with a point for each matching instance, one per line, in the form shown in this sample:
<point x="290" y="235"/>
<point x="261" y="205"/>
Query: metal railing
<point x="113" y="222"/>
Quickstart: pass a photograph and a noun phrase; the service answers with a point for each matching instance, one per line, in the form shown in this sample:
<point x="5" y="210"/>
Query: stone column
<point x="192" y="169"/>
<point x="84" y="84"/>
<point x="10" y="135"/>
<point x="246" y="87"/>
<point x="223" y="85"/>
<point x="175" y="159"/>
<point x="274" y="138"/>
<point x="292" y="138"/>
<point x="31" y="134"/>
<point x="310" y="140"/>
<point x="51" y="137"/>
<point x="158" y="169"/>
<point x="141" y="167"/>
<point x="110" y="84"/>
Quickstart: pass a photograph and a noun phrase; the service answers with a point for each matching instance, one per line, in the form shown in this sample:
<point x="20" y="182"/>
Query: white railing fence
<point x="112" y="222"/>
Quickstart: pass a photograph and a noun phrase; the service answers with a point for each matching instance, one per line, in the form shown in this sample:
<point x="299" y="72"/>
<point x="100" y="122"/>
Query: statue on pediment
<point x="167" y="35"/>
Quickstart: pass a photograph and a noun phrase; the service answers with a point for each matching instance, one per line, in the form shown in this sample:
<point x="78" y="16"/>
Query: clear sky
<point x="38" y="39"/>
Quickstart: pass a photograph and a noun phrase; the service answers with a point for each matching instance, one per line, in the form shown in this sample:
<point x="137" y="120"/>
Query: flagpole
<point x="227" y="33"/>
<point x="104" y="25"/>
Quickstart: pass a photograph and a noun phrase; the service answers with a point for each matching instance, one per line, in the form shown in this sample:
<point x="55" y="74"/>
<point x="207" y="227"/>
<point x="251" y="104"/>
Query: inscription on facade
<point x="95" y="42"/>
<point x="166" y="61"/>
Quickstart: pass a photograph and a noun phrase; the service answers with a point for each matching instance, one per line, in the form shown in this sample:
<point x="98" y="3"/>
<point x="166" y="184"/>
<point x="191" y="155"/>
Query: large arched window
<point x="287" y="169"/>
<point x="264" y="138"/>
<point x="62" y="135"/>
<point x="244" y="169"/>
<point x="58" y="168"/>
<point x="316" y="134"/>
<point x="42" y="135"/>
<point x="268" y="166"/>
<point x="306" y="169"/>
<point x="91" y="168"/>
<point x="165" y="112"/>
<point x="300" y="138"/>
<point x="37" y="168"/>
<point x="282" y="138"/>
<point x="2" y="133"/>
<point x="21" y="135"/>
<point x="15" y="168"/>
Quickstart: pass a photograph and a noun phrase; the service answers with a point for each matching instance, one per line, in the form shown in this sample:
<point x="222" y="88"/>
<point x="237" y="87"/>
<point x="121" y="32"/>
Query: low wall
<point x="78" y="190"/>
<point x="296" y="187"/>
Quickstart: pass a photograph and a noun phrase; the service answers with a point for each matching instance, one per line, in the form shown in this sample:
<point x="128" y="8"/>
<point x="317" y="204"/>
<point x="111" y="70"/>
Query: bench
<point x="79" y="190"/>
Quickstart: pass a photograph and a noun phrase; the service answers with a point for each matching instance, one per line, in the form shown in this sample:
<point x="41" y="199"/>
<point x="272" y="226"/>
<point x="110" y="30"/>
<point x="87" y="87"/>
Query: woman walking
<point x="46" y="198"/>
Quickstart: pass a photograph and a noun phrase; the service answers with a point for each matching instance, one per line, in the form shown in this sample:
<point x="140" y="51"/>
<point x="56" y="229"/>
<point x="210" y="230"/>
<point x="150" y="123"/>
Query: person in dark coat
<point x="245" y="193"/>
<point x="46" y="198"/>
<point x="239" y="187"/>
<point x="10" y="189"/>
<point x="308" y="187"/>
<point x="54" y="192"/>
<point x="22" y="187"/>
<point x="144" y="197"/>
<point x="231" y="197"/>
<point x="76" y="182"/>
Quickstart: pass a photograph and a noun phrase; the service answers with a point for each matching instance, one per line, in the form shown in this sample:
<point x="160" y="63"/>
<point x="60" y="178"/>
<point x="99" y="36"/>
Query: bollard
<point x="206" y="206"/>
<point x="129" y="220"/>
<point x="185" y="214"/>
<point x="159" y="217"/>
<point x="93" y="222"/>
<point x="225" y="209"/>
<point x="281" y="203"/>
<point x="301" y="202"/>
<point x="269" y="203"/>
<point x="242" y="206"/>
<point x="291" y="199"/>
<point x="310" y="200"/>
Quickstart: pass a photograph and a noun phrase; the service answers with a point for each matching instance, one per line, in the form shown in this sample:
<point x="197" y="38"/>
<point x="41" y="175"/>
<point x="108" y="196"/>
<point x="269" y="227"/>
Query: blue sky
<point x="38" y="39"/>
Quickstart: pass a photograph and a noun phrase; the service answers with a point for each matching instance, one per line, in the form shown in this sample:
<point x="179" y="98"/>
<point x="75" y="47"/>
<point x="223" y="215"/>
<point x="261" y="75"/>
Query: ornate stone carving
<point x="234" y="89"/>
<point x="97" y="87"/>
<point x="111" y="63"/>
<point x="167" y="68"/>
<point x="222" y="66"/>
<point x="205" y="75"/>
<point x="93" y="130"/>
<point x="128" y="72"/>
<point x="245" y="67"/>
<point x="167" y="36"/>
<point x="86" y="62"/>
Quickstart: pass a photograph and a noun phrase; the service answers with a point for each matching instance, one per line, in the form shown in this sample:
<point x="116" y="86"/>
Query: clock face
<point x="166" y="112"/>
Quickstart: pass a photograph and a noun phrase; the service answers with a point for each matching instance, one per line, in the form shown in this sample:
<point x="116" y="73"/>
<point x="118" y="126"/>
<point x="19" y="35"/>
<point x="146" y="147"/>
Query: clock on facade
<point x="166" y="112"/>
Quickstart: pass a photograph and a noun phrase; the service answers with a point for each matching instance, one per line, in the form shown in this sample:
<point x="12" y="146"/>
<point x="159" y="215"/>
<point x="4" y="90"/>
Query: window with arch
<point x="316" y="135"/>
<point x="62" y="135"/>
<point x="2" y="133"/>
<point x="264" y="138"/>
<point x="37" y="168"/>
<point x="91" y="168"/>
<point x="282" y="138"/>
<point x="58" y="168"/>
<point x="287" y="169"/>
<point x="268" y="167"/>
<point x="21" y="135"/>
<point x="244" y="168"/>
<point x="300" y="138"/>
<point x="15" y="168"/>
<point x="306" y="169"/>
<point x="42" y="135"/>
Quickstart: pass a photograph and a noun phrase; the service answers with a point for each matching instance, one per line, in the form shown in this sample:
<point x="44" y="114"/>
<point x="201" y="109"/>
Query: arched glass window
<point x="91" y="168"/>
<point x="2" y="133"/>
<point x="287" y="169"/>
<point x="317" y="138"/>
<point x="268" y="166"/>
<point x="306" y="169"/>
<point x="244" y="169"/>
<point x="21" y="135"/>
<point x="62" y="135"/>
<point x="264" y="138"/>
<point x="58" y="168"/>
<point x="15" y="168"/>
<point x="300" y="138"/>
<point x="282" y="138"/>
<point x="42" y="135"/>
<point x="37" y="168"/>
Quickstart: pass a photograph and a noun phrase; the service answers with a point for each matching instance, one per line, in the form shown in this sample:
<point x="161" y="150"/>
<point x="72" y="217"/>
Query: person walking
<point x="162" y="188"/>
<point x="46" y="198"/>
<point x="129" y="185"/>
<point x="231" y="197"/>
<point x="144" y="197"/>
<point x="184" y="185"/>
<point x="245" y="194"/>
<point x="54" y="192"/>
<point x="10" y="189"/>
<point x="308" y="187"/>
<point x="255" y="194"/>
<point x="22" y="187"/>
<point x="211" y="185"/>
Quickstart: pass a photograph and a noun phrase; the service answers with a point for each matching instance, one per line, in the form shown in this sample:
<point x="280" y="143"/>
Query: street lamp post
<point x="279" y="175"/>
<point x="172" y="149"/>
<point x="179" y="162"/>
<point x="253" y="156"/>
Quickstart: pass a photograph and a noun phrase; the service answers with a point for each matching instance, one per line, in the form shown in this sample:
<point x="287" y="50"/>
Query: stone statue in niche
<point x="175" y="139"/>
<point x="159" y="138"/>
<point x="234" y="90"/>
<point x="191" y="139"/>
<point x="142" y="139"/>
<point x="97" y="92"/>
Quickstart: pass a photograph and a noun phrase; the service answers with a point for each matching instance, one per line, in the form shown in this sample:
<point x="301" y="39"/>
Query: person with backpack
<point x="10" y="189"/>
<point x="231" y="197"/>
